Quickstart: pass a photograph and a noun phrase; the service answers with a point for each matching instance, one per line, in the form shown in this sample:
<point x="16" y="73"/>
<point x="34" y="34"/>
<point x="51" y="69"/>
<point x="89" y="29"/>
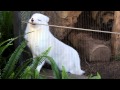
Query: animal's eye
<point x="39" y="20"/>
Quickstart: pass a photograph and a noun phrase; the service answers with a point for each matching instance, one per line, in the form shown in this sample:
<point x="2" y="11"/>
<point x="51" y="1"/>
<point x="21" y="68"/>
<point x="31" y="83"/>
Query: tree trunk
<point x="89" y="48"/>
<point x="115" y="41"/>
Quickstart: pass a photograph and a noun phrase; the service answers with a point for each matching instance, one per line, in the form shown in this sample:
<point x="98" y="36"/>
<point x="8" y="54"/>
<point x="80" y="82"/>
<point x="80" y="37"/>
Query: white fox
<point x="41" y="38"/>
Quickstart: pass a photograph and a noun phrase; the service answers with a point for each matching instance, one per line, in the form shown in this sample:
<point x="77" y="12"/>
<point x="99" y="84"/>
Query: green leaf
<point x="12" y="75"/>
<point x="55" y="68"/>
<point x="20" y="69"/>
<point x="8" y="70"/>
<point x="64" y="73"/>
<point x="95" y="77"/>
<point x="37" y="75"/>
<point x="38" y="60"/>
<point x="2" y="49"/>
<point x="26" y="74"/>
<point x="30" y="72"/>
<point x="4" y="42"/>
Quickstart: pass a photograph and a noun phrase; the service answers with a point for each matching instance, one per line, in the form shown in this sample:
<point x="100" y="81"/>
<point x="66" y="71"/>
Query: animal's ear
<point x="47" y="19"/>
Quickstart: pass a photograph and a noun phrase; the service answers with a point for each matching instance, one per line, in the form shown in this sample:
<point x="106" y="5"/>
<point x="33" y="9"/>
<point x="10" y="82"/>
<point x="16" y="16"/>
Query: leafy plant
<point x="9" y="68"/>
<point x="56" y="71"/>
<point x="9" y="43"/>
<point x="6" y="25"/>
<point x="19" y="70"/>
<point x="94" y="76"/>
<point x="3" y="46"/>
<point x="6" y="32"/>
<point x="64" y="73"/>
<point x="31" y="71"/>
<point x="28" y="69"/>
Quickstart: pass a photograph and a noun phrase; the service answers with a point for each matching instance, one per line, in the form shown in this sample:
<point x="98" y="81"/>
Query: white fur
<point x="41" y="39"/>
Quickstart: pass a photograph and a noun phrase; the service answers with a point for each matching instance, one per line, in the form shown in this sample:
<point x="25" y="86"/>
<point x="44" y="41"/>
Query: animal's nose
<point x="32" y="20"/>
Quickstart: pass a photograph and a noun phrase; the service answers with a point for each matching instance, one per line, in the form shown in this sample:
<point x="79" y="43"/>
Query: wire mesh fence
<point x="95" y="46"/>
<point x="91" y="45"/>
<point x="92" y="42"/>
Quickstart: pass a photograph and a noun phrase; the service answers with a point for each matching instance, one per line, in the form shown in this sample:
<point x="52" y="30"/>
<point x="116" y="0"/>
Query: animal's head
<point x="38" y="18"/>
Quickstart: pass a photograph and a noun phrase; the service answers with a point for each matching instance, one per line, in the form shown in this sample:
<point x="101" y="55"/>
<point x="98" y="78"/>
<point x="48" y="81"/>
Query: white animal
<point x="41" y="39"/>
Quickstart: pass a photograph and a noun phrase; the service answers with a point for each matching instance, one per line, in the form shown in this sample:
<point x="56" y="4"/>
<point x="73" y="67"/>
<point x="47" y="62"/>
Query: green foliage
<point x="94" y="76"/>
<point x="8" y="70"/>
<point x="27" y="73"/>
<point x="6" y="32"/>
<point x="54" y="66"/>
<point x="64" y="73"/>
<point x="6" y="25"/>
<point x="28" y="69"/>
<point x="38" y="60"/>
<point x="19" y="70"/>
<point x="9" y="43"/>
<point x="31" y="72"/>
<point x="56" y="72"/>
<point x="3" y="46"/>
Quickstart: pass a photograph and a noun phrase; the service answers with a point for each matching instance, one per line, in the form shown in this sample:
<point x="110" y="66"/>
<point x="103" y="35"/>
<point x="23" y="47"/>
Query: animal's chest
<point x="38" y="42"/>
<point x="34" y="38"/>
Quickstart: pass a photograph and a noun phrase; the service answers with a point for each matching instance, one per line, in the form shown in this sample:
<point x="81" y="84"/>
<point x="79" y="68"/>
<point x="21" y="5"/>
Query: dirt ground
<point x="107" y="70"/>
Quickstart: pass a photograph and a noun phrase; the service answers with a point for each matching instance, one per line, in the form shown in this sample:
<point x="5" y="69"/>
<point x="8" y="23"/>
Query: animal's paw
<point x="81" y="72"/>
